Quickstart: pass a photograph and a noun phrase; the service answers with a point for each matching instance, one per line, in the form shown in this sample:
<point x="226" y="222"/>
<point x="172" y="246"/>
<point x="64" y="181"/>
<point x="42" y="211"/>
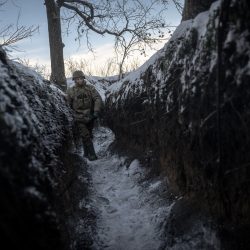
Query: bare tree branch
<point x="178" y="6"/>
<point x="88" y="19"/>
<point x="11" y="35"/>
<point x="177" y="3"/>
<point x="3" y="2"/>
<point x="133" y="23"/>
<point x="84" y="3"/>
<point x="136" y="24"/>
<point x="114" y="17"/>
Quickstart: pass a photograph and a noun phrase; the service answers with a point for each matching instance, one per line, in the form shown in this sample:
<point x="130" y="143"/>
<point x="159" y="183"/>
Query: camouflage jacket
<point x="84" y="100"/>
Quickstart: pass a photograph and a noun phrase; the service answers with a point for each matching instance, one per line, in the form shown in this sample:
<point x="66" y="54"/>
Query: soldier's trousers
<point x="85" y="131"/>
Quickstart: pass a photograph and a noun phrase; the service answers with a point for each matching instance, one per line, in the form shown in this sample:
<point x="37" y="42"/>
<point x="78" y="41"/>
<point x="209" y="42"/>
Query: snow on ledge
<point x="199" y="23"/>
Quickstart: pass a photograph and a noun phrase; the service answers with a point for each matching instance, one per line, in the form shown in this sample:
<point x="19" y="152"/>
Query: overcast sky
<point x="36" y="48"/>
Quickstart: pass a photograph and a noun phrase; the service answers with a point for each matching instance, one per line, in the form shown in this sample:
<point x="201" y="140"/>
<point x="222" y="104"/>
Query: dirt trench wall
<point x="35" y="169"/>
<point x="191" y="110"/>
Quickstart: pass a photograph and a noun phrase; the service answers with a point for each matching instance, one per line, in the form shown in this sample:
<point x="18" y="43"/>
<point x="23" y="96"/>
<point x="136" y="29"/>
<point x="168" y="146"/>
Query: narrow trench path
<point x="126" y="209"/>
<point x="130" y="210"/>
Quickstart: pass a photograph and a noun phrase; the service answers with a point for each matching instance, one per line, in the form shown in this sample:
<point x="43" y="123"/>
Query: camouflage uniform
<point x="85" y="100"/>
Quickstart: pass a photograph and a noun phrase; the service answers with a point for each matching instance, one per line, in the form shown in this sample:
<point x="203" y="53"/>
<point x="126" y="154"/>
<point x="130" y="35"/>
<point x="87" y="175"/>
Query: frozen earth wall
<point x="35" y="125"/>
<point x="188" y="106"/>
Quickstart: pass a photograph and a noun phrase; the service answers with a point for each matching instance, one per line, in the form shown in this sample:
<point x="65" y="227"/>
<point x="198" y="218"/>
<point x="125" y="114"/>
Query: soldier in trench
<point x="86" y="103"/>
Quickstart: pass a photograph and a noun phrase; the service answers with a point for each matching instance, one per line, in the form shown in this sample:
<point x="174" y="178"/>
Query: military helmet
<point x="77" y="73"/>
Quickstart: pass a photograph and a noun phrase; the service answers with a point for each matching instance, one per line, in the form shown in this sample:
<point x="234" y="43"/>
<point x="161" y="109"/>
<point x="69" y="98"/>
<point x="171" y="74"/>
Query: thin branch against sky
<point x="36" y="48"/>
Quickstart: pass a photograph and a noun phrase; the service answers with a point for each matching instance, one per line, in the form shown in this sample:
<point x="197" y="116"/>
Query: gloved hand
<point x="95" y="115"/>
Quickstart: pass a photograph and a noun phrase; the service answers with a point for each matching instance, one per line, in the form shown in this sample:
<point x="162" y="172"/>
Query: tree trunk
<point x="56" y="44"/>
<point x="193" y="7"/>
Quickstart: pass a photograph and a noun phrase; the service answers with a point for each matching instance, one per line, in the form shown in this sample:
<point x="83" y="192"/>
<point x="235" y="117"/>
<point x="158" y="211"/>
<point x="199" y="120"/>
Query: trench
<point x="125" y="208"/>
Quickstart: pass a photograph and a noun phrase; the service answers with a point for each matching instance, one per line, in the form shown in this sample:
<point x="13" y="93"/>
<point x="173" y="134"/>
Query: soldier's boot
<point x="78" y="147"/>
<point x="91" y="151"/>
<point x="85" y="148"/>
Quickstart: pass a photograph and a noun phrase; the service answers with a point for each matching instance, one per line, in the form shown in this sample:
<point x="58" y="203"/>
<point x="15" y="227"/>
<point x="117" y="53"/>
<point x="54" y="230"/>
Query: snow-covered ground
<point x="130" y="210"/>
<point x="133" y="211"/>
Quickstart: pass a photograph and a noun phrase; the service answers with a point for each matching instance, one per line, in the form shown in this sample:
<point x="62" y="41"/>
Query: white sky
<point x="36" y="48"/>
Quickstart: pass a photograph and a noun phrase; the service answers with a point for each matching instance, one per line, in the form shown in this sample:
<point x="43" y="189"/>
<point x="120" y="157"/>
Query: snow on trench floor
<point x="131" y="212"/>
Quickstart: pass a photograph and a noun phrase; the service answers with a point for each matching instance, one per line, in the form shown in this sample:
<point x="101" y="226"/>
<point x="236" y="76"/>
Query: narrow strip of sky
<point x="36" y="48"/>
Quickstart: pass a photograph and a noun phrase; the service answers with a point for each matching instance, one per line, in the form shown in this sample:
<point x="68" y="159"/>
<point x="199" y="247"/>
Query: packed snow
<point x="131" y="210"/>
